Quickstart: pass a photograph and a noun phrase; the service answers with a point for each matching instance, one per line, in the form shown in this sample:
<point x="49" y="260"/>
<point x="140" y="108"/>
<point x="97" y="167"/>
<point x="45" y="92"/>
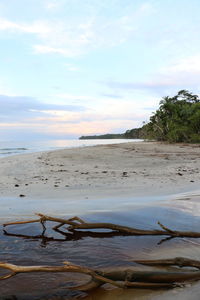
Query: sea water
<point x="19" y="147"/>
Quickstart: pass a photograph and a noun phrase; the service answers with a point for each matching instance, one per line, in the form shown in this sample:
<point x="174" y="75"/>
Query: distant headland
<point x="135" y="133"/>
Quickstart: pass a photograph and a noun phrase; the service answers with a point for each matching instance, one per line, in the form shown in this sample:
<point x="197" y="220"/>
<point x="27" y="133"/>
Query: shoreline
<point x="13" y="148"/>
<point x="103" y="171"/>
<point x="98" y="178"/>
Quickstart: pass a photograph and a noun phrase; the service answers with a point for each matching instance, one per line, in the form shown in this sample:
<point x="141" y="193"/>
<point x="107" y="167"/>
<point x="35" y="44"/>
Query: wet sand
<point x="129" y="184"/>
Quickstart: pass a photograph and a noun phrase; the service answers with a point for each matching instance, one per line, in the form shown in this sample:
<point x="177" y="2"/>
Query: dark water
<point x="24" y="245"/>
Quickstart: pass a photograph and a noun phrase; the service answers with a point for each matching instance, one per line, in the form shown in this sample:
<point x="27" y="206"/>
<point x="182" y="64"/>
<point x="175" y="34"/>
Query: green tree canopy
<point x="176" y="120"/>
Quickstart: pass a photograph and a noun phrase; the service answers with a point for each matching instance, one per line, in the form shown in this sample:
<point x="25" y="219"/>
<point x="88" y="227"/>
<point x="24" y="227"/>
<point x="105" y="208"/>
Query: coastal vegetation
<point x="135" y="133"/>
<point x="176" y="120"/>
<point x="103" y="136"/>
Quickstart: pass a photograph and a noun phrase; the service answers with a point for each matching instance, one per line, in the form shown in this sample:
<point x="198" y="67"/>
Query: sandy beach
<point x="134" y="184"/>
<point x="129" y="169"/>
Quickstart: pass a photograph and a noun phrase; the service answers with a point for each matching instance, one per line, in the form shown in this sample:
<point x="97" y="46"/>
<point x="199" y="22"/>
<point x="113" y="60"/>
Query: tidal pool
<point x="25" y="244"/>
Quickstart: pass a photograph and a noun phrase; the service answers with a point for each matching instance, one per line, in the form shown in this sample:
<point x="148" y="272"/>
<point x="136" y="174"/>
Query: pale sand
<point x="129" y="169"/>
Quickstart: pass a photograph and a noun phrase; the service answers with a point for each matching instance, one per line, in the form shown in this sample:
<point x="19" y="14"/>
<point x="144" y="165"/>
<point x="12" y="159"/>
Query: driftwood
<point x="177" y="261"/>
<point x="76" y="223"/>
<point x="126" y="278"/>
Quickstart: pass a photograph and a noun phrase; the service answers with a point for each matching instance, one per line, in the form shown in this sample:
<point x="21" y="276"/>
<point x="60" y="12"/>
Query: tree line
<point x="176" y="120"/>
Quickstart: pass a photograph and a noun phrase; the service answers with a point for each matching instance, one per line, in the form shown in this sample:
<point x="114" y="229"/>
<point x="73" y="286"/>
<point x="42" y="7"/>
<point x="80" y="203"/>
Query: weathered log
<point x="120" y="278"/>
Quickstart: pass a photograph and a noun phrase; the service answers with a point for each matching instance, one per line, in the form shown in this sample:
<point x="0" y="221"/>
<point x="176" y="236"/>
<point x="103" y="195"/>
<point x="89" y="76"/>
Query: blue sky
<point x="78" y="67"/>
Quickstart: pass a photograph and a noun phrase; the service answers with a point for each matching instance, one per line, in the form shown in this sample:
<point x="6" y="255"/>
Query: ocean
<point x="8" y="148"/>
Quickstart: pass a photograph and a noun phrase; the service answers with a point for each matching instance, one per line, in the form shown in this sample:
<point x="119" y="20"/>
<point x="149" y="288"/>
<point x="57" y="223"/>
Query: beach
<point x="133" y="184"/>
<point x="129" y="169"/>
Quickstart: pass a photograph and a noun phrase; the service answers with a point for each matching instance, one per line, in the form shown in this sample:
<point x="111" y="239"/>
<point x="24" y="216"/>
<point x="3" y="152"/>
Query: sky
<point x="82" y="67"/>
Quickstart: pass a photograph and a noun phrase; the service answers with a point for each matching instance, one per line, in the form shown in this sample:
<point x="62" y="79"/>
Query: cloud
<point x="92" y="127"/>
<point x="111" y="104"/>
<point x="40" y="28"/>
<point x="72" y="68"/>
<point x="68" y="129"/>
<point x="75" y="37"/>
<point x="89" y="116"/>
<point x="145" y="85"/>
<point x="42" y="49"/>
<point x="52" y="5"/>
<point x="17" y="108"/>
<point x="182" y="73"/>
<point x="185" y="67"/>
<point x="67" y="124"/>
<point x="26" y="114"/>
<point x="114" y="96"/>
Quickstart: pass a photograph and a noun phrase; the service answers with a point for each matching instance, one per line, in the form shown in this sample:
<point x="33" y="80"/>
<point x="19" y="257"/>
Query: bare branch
<point x="77" y="219"/>
<point x="165" y="228"/>
<point x="77" y="223"/>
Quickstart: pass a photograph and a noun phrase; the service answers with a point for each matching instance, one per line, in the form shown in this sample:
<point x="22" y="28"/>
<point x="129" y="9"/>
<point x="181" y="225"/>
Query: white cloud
<point x="91" y="127"/>
<point x="52" y="5"/>
<point x="189" y="65"/>
<point x="107" y="117"/>
<point x="101" y="116"/>
<point x="46" y="49"/>
<point x="183" y="73"/>
<point x="72" y="68"/>
<point x="147" y="8"/>
<point x="41" y="28"/>
<point x="73" y="38"/>
<point x="78" y="128"/>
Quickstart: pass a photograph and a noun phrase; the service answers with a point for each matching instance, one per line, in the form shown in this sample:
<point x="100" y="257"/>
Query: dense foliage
<point x="176" y="120"/>
<point x="134" y="133"/>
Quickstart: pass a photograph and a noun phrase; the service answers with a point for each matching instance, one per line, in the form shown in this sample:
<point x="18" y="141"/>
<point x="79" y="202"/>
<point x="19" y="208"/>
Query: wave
<point x="13" y="149"/>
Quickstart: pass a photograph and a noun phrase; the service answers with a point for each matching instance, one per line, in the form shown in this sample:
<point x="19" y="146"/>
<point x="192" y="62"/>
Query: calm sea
<point x="18" y="147"/>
